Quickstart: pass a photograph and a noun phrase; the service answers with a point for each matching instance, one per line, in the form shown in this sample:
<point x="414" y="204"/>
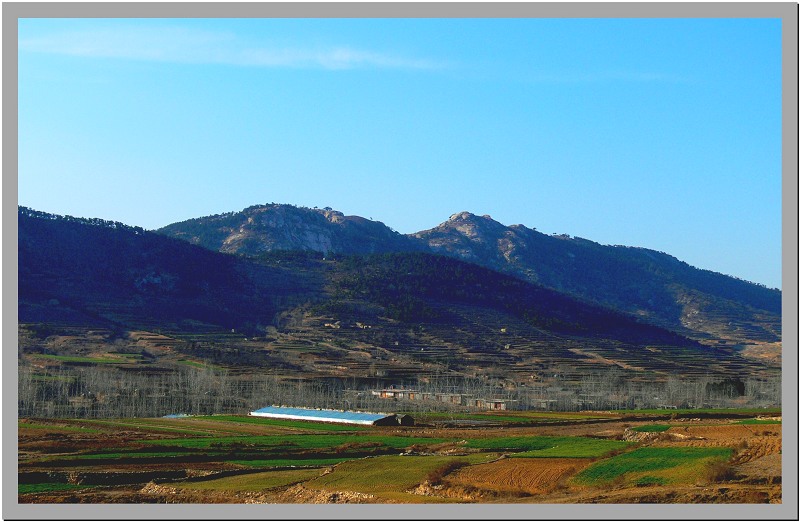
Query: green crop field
<point x="291" y="461"/>
<point x="45" y="487"/>
<point x="672" y="465"/>
<point x="651" y="428"/>
<point x="540" y="446"/>
<point x="575" y="447"/>
<point x="388" y="477"/>
<point x="760" y="421"/>
<point x="252" y="481"/>
<point x="84" y="360"/>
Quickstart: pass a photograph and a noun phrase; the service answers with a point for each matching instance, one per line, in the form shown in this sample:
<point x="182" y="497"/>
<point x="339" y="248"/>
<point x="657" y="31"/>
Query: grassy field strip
<point x="252" y="481"/>
<point x="134" y="454"/>
<point x="760" y="421"/>
<point x="306" y="441"/>
<point x="389" y="477"/>
<point x="51" y="427"/>
<point x="46" y="487"/>
<point x="652" y="428"/>
<point x="542" y="446"/>
<point x="291" y="461"/>
<point x="140" y="425"/>
<point x="668" y="465"/>
<point x="263" y="421"/>
<point x="82" y="360"/>
<point x="197" y="364"/>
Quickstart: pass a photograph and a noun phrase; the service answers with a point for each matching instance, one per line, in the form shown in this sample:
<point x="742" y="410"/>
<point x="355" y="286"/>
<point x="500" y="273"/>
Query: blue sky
<point x="660" y="133"/>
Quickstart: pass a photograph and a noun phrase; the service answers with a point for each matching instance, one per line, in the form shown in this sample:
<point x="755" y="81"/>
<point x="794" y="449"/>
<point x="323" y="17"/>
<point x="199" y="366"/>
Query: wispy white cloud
<point x="183" y="45"/>
<point x="335" y="58"/>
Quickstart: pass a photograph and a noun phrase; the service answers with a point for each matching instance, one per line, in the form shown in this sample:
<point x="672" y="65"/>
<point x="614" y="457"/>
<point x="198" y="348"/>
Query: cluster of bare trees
<point x="103" y="392"/>
<point x="106" y="392"/>
<point x="613" y="390"/>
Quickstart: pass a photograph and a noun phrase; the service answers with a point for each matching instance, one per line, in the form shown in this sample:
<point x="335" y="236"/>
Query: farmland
<point x="548" y="458"/>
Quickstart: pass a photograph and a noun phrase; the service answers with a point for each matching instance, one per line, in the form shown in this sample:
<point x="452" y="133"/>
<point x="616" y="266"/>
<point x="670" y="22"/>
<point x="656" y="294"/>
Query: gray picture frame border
<point x="786" y="11"/>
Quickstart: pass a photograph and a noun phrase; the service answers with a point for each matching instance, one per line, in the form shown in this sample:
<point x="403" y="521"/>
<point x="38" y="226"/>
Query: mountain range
<point x="650" y="285"/>
<point x="313" y="293"/>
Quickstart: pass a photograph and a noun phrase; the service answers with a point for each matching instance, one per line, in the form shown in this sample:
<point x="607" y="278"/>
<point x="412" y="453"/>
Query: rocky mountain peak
<point x="467" y="224"/>
<point x="461" y="216"/>
<point x="263" y="228"/>
<point x="334" y="216"/>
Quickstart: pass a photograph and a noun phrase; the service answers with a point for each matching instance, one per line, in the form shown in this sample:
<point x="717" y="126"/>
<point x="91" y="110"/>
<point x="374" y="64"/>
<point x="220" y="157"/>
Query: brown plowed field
<point x="725" y="432"/>
<point x="518" y="474"/>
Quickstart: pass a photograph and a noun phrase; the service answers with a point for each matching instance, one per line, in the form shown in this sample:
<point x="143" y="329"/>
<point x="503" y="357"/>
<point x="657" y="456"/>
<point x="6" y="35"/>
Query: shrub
<point x="719" y="471"/>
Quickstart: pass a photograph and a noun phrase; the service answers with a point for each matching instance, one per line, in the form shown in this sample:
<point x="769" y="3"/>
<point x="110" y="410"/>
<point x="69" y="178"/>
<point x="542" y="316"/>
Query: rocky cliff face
<point x="263" y="228"/>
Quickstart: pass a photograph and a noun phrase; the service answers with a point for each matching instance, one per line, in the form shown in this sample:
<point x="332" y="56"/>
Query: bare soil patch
<point x="726" y="432"/>
<point x="763" y="469"/>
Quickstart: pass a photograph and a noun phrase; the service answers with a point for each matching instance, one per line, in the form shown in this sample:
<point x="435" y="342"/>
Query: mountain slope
<point x="649" y="284"/>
